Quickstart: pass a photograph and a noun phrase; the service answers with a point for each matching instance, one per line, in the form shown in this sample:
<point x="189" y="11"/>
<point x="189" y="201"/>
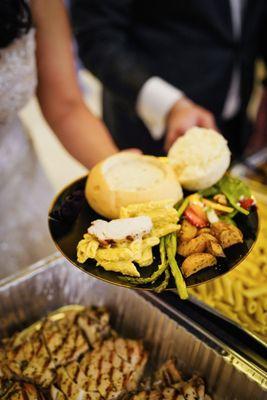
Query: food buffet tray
<point x="52" y="283"/>
<point x="252" y="171"/>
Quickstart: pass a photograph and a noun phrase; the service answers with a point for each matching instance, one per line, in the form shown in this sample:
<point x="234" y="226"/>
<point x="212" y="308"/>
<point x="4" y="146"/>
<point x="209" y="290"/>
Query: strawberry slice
<point x="196" y="216"/>
<point x="246" y="203"/>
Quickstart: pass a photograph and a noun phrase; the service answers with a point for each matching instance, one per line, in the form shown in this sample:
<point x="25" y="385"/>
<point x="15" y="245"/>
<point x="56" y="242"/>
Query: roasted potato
<point x="214" y="248"/>
<point x="217" y="228"/>
<point x="195" y="245"/>
<point x="196" y="262"/>
<point x="227" y="234"/>
<point x="230" y="237"/>
<point x="187" y="231"/>
<point x="204" y="230"/>
<point x="208" y="237"/>
<point x="221" y="199"/>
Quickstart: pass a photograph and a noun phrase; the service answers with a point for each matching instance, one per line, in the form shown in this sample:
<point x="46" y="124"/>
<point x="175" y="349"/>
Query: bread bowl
<point x="128" y="178"/>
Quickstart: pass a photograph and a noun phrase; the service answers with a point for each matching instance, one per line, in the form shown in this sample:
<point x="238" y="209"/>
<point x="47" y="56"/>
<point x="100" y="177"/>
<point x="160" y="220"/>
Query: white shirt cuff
<point x="155" y="100"/>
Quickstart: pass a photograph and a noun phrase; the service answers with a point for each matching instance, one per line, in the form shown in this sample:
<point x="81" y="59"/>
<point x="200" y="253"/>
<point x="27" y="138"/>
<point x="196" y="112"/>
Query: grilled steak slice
<point x="167" y="375"/>
<point x="5" y="373"/>
<point x="5" y="385"/>
<point x="70" y="389"/>
<point x="76" y="374"/>
<point x="94" y="322"/>
<point x="64" y="340"/>
<point x="112" y="368"/>
<point x="67" y="333"/>
<point x="26" y="358"/>
<point x="56" y="394"/>
<point x="188" y="391"/>
<point x="40" y="368"/>
<point x="23" y="391"/>
<point x="194" y="388"/>
<point x="168" y="384"/>
<point x="12" y="356"/>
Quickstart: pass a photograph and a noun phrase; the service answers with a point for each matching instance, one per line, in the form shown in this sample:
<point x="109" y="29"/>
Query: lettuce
<point x="234" y="189"/>
<point x="209" y="192"/>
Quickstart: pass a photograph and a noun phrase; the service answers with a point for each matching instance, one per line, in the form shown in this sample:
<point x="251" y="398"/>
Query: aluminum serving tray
<point x="52" y="283"/>
<point x="260" y="192"/>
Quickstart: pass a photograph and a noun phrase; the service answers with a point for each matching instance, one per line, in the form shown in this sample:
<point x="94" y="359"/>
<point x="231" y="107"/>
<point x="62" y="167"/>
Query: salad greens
<point x="234" y="189"/>
<point x="209" y="192"/>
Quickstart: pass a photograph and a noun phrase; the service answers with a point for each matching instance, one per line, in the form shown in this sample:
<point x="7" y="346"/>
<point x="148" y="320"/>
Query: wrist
<point x="183" y="102"/>
<point x="179" y="105"/>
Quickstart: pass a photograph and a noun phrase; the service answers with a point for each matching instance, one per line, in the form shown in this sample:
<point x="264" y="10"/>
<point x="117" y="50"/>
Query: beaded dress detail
<point x="25" y="192"/>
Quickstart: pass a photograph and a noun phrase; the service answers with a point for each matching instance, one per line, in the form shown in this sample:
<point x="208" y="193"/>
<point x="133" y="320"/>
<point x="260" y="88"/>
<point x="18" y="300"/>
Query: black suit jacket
<point x="189" y="43"/>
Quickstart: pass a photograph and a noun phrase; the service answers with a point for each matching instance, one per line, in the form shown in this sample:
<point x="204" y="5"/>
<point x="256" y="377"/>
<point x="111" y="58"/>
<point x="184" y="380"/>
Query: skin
<point x="184" y="115"/>
<point x="82" y="134"/>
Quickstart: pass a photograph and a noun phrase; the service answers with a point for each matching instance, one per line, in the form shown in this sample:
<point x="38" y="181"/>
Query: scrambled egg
<point x="120" y="255"/>
<point x="163" y="215"/>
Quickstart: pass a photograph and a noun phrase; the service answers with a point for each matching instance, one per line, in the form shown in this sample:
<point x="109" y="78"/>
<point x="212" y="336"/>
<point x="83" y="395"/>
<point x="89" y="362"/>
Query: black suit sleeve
<point x="102" y="29"/>
<point x="263" y="40"/>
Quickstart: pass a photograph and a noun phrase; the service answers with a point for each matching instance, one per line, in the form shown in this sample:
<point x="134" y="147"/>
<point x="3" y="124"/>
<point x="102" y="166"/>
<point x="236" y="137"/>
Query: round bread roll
<point x="128" y="178"/>
<point x="200" y="158"/>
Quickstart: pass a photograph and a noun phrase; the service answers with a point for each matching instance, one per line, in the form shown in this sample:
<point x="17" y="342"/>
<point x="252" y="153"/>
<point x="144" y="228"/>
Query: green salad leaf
<point x="234" y="189"/>
<point x="209" y="192"/>
<point x="229" y="218"/>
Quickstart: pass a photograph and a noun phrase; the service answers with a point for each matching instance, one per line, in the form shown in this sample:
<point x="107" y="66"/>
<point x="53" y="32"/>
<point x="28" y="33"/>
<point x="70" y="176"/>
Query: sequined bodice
<point x="25" y="192"/>
<point x="17" y="76"/>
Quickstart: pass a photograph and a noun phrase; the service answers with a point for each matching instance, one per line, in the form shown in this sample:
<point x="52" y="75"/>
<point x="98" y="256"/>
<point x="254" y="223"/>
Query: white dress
<point x="25" y="193"/>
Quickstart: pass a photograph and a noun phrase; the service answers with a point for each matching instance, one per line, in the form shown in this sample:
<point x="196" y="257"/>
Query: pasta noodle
<point x="251" y="306"/>
<point x="239" y="299"/>
<point x="218" y="290"/>
<point x="241" y="295"/>
<point x="228" y="293"/>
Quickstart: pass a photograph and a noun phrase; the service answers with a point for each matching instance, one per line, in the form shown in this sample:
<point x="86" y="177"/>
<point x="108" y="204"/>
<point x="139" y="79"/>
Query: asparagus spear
<point x="178" y="277"/>
<point x="173" y="241"/>
<point x="164" y="284"/>
<point x="162" y="267"/>
<point x="182" y="207"/>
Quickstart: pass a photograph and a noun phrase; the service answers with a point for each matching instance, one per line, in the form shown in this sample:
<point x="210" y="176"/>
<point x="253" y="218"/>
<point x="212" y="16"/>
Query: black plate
<point x="70" y="216"/>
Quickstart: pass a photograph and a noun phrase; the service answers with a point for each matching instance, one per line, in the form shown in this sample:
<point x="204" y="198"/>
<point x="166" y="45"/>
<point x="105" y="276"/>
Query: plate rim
<point x="126" y="284"/>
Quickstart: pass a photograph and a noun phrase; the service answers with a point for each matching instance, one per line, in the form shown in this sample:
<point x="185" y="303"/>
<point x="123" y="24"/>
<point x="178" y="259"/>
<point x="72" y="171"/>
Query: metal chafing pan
<point x="252" y="164"/>
<point x="52" y="283"/>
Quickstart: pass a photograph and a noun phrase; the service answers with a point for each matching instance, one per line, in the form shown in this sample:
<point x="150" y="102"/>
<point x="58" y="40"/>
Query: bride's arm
<point x="82" y="134"/>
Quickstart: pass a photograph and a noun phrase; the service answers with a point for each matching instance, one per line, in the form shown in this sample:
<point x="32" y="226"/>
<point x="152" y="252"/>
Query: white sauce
<point x="119" y="229"/>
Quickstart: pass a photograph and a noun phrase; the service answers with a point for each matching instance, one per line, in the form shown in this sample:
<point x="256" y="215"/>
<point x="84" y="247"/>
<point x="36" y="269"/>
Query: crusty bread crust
<point x="107" y="201"/>
<point x="200" y="158"/>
